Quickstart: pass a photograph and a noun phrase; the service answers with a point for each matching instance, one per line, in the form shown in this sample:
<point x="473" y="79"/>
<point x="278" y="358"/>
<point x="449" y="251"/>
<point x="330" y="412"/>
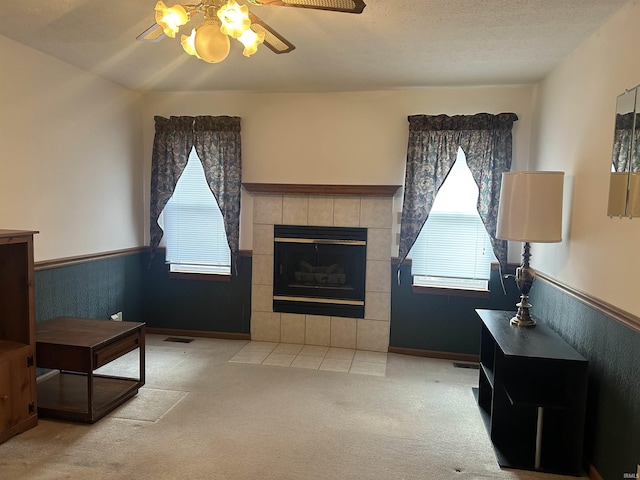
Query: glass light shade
<point x="251" y="40"/>
<point x="188" y="43"/>
<point x="170" y="19"/>
<point x="211" y="44"/>
<point x="235" y="19"/>
<point x="530" y="207"/>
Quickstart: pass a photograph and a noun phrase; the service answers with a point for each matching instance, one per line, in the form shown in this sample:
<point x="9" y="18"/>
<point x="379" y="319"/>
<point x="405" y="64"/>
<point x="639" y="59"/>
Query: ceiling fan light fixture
<point x="170" y="18"/>
<point x="226" y="18"/>
<point x="234" y="18"/>
<point x="251" y="40"/>
<point x="210" y="43"/>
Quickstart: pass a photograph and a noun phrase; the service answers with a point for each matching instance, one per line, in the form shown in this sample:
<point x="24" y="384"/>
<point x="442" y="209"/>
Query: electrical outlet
<point x="117" y="317"/>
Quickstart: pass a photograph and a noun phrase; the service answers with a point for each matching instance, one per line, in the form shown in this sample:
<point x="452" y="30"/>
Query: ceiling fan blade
<point x="272" y="39"/>
<point x="152" y="34"/>
<point x="345" y="6"/>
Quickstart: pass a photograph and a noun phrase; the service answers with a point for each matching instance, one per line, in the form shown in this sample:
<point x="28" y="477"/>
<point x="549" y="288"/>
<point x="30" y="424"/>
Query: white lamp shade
<point x="530" y="207"/>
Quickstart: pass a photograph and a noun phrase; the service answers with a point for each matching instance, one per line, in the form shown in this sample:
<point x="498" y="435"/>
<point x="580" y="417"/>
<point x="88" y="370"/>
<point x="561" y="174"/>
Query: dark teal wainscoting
<point x="442" y="323"/>
<point x="98" y="288"/>
<point x="612" y="434"/>
<point x="92" y="289"/>
<point x="204" y="305"/>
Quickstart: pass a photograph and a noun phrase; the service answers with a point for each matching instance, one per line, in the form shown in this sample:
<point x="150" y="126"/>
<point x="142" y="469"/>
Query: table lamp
<point x="530" y="211"/>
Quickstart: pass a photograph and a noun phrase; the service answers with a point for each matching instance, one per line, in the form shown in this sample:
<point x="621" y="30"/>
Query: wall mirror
<point x="624" y="182"/>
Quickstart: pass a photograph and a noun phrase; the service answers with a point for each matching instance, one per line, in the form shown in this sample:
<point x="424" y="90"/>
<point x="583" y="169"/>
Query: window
<point x="194" y="232"/>
<point x="453" y="249"/>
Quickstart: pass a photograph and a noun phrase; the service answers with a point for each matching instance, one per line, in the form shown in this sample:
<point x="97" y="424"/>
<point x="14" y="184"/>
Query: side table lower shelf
<point x="64" y="396"/>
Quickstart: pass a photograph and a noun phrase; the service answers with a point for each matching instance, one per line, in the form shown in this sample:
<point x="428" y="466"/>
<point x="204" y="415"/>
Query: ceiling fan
<point x="224" y="19"/>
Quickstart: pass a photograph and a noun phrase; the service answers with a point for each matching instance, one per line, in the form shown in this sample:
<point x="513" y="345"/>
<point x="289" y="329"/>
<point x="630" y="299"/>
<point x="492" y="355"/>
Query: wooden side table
<point x="77" y="347"/>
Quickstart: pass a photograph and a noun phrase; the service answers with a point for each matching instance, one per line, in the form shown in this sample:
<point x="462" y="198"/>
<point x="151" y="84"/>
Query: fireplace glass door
<point x="319" y="270"/>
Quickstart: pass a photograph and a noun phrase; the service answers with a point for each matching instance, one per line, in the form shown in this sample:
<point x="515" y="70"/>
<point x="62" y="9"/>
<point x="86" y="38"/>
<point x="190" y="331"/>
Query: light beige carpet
<point x="202" y="417"/>
<point x="149" y="405"/>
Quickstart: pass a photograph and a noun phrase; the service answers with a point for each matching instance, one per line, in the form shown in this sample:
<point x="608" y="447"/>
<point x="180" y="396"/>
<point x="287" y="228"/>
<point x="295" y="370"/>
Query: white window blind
<point x="196" y="241"/>
<point x="453" y="248"/>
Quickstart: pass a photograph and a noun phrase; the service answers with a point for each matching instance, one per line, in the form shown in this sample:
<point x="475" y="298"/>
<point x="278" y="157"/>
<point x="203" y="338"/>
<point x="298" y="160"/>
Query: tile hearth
<point x="313" y="357"/>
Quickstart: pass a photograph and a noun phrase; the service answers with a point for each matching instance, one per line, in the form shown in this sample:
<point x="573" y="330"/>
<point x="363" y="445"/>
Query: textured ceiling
<point x="392" y="44"/>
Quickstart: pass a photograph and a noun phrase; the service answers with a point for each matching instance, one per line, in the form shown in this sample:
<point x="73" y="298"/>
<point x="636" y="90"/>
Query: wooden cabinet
<point x="532" y="394"/>
<point x="17" y="340"/>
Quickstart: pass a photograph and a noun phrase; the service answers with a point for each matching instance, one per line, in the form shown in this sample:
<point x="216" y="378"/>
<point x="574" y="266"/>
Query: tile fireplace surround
<point x="326" y="209"/>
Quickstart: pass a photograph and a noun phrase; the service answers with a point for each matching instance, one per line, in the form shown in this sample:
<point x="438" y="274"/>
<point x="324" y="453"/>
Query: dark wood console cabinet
<point x="17" y="344"/>
<point x="532" y="394"/>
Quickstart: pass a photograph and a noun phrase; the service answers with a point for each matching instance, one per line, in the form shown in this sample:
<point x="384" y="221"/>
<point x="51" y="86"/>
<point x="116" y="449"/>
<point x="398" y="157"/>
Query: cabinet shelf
<point x="527" y="395"/>
<point x="9" y="348"/>
<point x="488" y="373"/>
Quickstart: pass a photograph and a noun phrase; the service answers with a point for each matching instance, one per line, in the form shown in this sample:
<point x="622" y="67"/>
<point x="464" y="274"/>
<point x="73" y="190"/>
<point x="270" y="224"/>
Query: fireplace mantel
<point x="316" y="189"/>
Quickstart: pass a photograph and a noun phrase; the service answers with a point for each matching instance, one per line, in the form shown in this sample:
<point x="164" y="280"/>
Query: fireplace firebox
<point x="319" y="270"/>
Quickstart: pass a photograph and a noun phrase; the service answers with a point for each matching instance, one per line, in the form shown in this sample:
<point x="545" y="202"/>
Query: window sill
<point x="450" y="291"/>
<point x="208" y="277"/>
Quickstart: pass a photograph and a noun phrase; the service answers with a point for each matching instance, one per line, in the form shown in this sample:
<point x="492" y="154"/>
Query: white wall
<point x="574" y="133"/>
<point x="77" y="148"/>
<point x="333" y="138"/>
<point x="71" y="156"/>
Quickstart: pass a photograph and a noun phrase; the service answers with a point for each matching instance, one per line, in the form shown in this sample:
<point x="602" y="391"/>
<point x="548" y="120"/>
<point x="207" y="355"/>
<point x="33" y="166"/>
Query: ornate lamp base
<point x="523" y="323"/>
<point x="522" y="318"/>
<point x="524" y="279"/>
